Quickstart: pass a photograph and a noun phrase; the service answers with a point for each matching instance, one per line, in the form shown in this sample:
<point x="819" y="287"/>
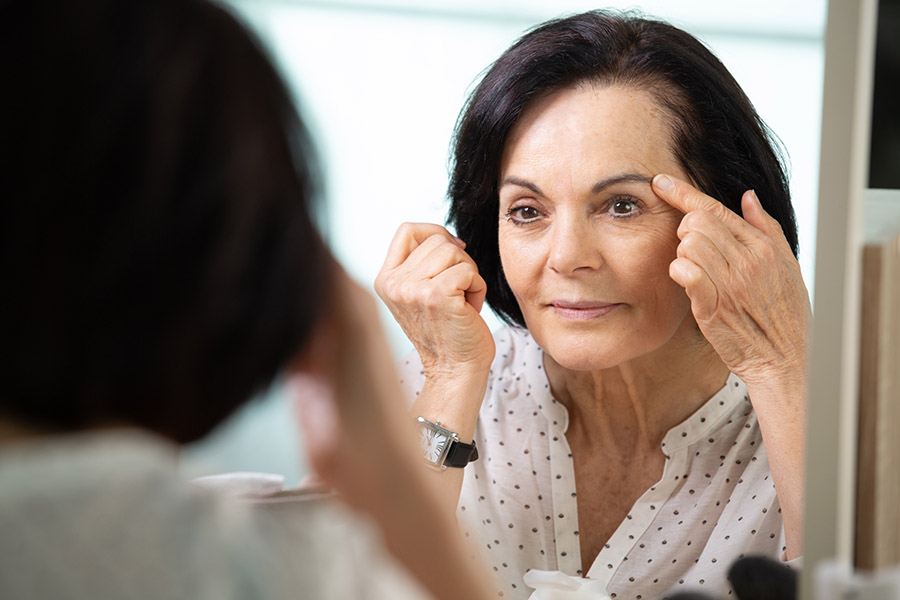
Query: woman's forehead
<point x="621" y="128"/>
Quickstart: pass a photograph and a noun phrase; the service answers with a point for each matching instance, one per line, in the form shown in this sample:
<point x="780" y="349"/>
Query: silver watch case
<point x="435" y="443"/>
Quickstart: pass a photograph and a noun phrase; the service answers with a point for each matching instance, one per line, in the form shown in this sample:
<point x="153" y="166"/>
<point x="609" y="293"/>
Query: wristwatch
<point x="441" y="447"/>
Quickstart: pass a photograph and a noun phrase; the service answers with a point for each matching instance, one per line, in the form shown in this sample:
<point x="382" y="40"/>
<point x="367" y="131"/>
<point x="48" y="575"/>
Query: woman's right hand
<point x="435" y="293"/>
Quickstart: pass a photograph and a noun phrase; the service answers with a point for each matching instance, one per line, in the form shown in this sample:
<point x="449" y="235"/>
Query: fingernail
<point x="459" y="241"/>
<point x="754" y="197"/>
<point x="663" y="183"/>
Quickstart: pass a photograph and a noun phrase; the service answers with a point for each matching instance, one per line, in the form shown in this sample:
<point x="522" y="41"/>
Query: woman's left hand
<point x="745" y="286"/>
<point x="748" y="298"/>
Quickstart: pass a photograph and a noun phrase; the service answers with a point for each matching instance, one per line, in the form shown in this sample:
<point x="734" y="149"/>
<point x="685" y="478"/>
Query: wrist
<point x="461" y="386"/>
<point x="782" y="390"/>
<point x="457" y="373"/>
<point x="454" y="402"/>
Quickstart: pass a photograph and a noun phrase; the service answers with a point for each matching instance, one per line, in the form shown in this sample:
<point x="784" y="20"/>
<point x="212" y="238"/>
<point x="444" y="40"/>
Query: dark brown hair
<point x="159" y="260"/>
<point x="717" y="136"/>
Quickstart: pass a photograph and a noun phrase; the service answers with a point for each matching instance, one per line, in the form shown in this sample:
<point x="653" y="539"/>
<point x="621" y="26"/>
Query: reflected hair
<point x="160" y="262"/>
<point x="716" y="134"/>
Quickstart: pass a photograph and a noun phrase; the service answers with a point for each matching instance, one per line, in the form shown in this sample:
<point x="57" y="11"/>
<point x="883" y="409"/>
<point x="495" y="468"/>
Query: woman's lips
<point x="581" y="310"/>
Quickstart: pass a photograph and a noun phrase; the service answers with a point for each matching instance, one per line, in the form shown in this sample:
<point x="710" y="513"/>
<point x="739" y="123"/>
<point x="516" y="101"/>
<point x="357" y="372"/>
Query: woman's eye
<point x="623" y="208"/>
<point x="524" y="213"/>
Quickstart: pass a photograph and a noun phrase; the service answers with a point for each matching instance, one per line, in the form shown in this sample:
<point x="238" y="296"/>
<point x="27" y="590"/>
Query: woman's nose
<point x="573" y="247"/>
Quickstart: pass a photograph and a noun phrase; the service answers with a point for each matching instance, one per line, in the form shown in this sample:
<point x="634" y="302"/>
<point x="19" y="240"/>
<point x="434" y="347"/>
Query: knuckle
<point x="448" y="251"/>
<point x="432" y="295"/>
<point x="698" y="219"/>
<point x="768" y="252"/>
<point x="690" y="238"/>
<point x="691" y="244"/>
<point x="405" y="230"/>
<point x="689" y="222"/>
<point x="379" y="284"/>
<point x="393" y="289"/>
<point x="435" y="240"/>
<point x="693" y="278"/>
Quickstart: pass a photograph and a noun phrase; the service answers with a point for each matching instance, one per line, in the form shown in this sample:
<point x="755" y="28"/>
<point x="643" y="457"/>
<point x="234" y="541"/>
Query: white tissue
<point x="556" y="585"/>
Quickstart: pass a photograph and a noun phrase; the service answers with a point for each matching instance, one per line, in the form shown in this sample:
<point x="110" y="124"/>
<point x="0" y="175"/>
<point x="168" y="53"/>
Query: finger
<point x="461" y="280"/>
<point x="729" y="244"/>
<point x="467" y="278"/>
<point x="431" y="257"/>
<point x="404" y="285"/>
<point x="686" y="198"/>
<point x="408" y="237"/>
<point x="699" y="287"/>
<point x="704" y="252"/>
<point x="756" y="215"/>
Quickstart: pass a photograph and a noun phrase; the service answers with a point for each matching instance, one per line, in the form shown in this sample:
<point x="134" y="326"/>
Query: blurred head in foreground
<point x="159" y="260"/>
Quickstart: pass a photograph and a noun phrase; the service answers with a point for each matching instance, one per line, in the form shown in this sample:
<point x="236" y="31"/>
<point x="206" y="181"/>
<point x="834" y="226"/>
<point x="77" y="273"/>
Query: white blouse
<point x="714" y="504"/>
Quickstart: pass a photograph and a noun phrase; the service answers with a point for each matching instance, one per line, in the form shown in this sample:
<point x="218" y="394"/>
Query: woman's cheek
<point x="657" y="239"/>
<point x="520" y="257"/>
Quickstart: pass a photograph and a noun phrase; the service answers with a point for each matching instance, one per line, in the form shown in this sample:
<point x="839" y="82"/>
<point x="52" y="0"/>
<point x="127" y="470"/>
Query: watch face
<point x="433" y="444"/>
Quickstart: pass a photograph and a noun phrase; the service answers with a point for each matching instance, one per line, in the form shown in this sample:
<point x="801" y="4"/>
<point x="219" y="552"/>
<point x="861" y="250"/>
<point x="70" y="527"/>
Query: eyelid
<point x="622" y="196"/>
<point x="519" y="195"/>
<point x="525" y="201"/>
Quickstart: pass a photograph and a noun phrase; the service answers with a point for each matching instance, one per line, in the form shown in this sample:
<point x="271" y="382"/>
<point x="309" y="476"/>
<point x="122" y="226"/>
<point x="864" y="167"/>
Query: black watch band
<point x="459" y="454"/>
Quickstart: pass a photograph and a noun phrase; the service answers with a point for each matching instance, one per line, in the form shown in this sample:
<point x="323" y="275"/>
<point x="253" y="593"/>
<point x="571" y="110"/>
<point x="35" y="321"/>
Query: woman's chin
<point x="605" y="347"/>
<point x="586" y="363"/>
<point x="584" y="359"/>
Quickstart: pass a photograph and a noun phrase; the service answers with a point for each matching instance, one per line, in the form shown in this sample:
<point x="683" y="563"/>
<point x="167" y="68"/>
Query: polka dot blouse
<point x="715" y="502"/>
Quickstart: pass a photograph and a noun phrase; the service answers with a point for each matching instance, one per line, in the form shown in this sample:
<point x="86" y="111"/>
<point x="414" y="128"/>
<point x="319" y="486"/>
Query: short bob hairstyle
<point x="160" y="263"/>
<point x="716" y="134"/>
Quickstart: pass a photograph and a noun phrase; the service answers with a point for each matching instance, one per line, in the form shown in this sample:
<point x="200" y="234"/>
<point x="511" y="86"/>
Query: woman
<point x="635" y="419"/>
<point x="160" y="266"/>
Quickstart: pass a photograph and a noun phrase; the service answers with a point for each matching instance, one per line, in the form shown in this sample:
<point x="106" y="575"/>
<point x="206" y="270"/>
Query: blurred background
<point x="380" y="83"/>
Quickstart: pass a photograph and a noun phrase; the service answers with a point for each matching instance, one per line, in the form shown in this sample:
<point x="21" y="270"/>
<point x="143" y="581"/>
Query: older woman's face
<point x="585" y="243"/>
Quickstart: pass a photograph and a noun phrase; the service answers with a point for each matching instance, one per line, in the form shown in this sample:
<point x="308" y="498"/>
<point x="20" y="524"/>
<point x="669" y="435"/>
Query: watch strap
<point x="460" y="454"/>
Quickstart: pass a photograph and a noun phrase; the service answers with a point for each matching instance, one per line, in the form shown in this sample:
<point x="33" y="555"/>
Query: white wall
<point x="381" y="84"/>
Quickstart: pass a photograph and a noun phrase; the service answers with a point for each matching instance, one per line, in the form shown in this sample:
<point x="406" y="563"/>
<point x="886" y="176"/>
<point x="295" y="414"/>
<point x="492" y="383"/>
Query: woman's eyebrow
<point x="598" y="187"/>
<point x="623" y="178"/>
<point x="522" y="183"/>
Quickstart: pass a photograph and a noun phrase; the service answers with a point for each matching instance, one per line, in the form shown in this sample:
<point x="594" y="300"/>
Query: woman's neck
<point x="631" y="407"/>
